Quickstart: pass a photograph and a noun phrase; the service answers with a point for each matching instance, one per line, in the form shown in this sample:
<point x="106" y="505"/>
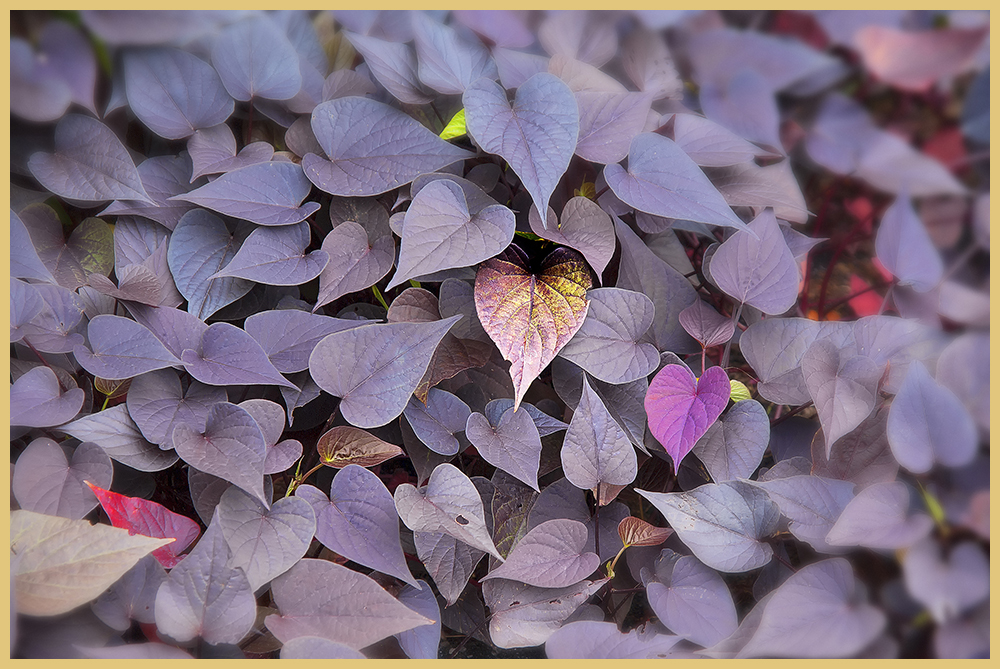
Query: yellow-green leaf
<point x="587" y="189"/>
<point x="738" y="391"/>
<point x="455" y="127"/>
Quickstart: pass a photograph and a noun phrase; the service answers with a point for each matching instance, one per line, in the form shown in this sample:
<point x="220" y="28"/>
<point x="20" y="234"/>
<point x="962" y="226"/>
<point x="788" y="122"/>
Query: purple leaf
<point x="927" y="423"/>
<point x="744" y="104"/>
<point x="904" y="247"/>
<point x="288" y="336"/>
<point x="747" y="185"/>
<point x="642" y="271"/>
<point x="895" y="342"/>
<point x="88" y="250"/>
<point x="355" y="262"/>
<point x="722" y="523"/>
<point x="65" y="53"/>
<point x="375" y="368"/>
<point x="213" y="150"/>
<point x="200" y="246"/>
<point x="421" y="643"/>
<point x="49" y="478"/>
<point x="438" y="421"/>
<point x="143" y="27"/>
<point x="624" y="402"/>
<point x="264" y="193"/>
<point x="947" y="587"/>
<point x="204" y="596"/>
<point x="681" y="408"/>
<point x="564" y="500"/>
<point x="114" y="431"/>
<point x="317" y="648"/>
<point x="206" y="491"/>
<point x="37" y="400"/>
<point x="122" y="349"/>
<point x="711" y="145"/>
<point x="523" y="615"/>
<point x="505" y="28"/>
<point x="536" y="136"/>
<point x="24" y="260"/>
<point x="394" y="65"/>
<point x="345" y="83"/>
<point x="174" y="93"/>
<point x="36" y="95"/>
<point x="141" y="242"/>
<point x="967" y="637"/>
<point x="359" y="521"/>
<point x="231" y="447"/>
<point x="132" y="597"/>
<point x="609" y="122"/>
<point x="662" y="180"/>
<point x="516" y="67"/>
<point x="25" y="304"/>
<point x="449" y="562"/>
<point x="447" y="63"/>
<point x="608" y="345"/>
<point x="282" y="455"/>
<point x="843" y="386"/>
<point x="163" y="177"/>
<point x="706" y="324"/>
<point x="510" y="443"/>
<point x="277" y="257"/>
<point x="552" y="555"/>
<point x="812" y="505"/>
<point x="818" y="612"/>
<point x="691" y="599"/>
<point x="269" y="416"/>
<point x="760" y="272"/>
<point x="178" y="330"/>
<point x="734" y="445"/>
<point x="544" y="423"/>
<point x="55" y="329"/>
<point x="255" y="59"/>
<point x="877" y="518"/>
<point x="229" y="356"/>
<point x="440" y="231"/>
<point x="598" y="640"/>
<point x="90" y="164"/>
<point x="584" y="226"/>
<point x="861" y="456"/>
<point x="596" y="453"/>
<point x="320" y="598"/>
<point x="585" y="36"/>
<point x="963" y="366"/>
<point x="449" y="503"/>
<point x="157" y="403"/>
<point x="265" y="542"/>
<point x="352" y="132"/>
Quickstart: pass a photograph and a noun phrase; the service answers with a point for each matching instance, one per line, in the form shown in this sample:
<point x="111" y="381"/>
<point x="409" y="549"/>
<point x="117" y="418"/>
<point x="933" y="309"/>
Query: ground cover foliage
<point x="499" y="334"/>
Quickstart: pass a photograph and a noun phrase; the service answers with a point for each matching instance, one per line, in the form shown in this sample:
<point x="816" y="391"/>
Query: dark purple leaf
<point x="438" y="421"/>
<point x="706" y="324"/>
<point x="843" y="387"/>
<point x="927" y="423"/>
<point x="277" y="257"/>
<point x="441" y="232"/>
<point x="947" y="587"/>
<point x="213" y="150"/>
<point x="269" y="416"/>
<point x="229" y="356"/>
<point x="524" y="615"/>
<point x="320" y="598"/>
<point x="132" y="597"/>
<point x="90" y="164"/>
<point x="288" y="336"/>
<point x="544" y="119"/>
<point x="861" y="456"/>
<point x="584" y="226"/>
<point x="510" y="443"/>
<point x="140" y="243"/>
<point x="352" y="132"/>
<point x="265" y="193"/>
<point x="734" y="445"/>
<point x="156" y="403"/>
<point x="450" y="504"/>
<point x="597" y="640"/>
<point x="642" y="271"/>
<point x="446" y="62"/>
<point x="359" y="521"/>
<point x="691" y="599"/>
<point x="265" y="542"/>
<point x="24" y="260"/>
<point x="36" y="95"/>
<point x="88" y="250"/>
<point x="449" y="562"/>
<point x="206" y="491"/>
<point x="163" y="177"/>
<point x="608" y="123"/>
<point x="544" y="423"/>
<point x="204" y="596"/>
<point x="282" y="455"/>
<point x="722" y="523"/>
<point x="48" y="478"/>
<point x="114" y="431"/>
<point x="255" y="59"/>
<point x="122" y="349"/>
<point x="317" y="648"/>
<point x="552" y="555"/>
<point x="878" y="518"/>
<point x="173" y="92"/>
<point x="56" y="329"/>
<point x="394" y="65"/>
<point x="564" y="500"/>
<point x="421" y="643"/>
<point x="375" y="368"/>
<point x="624" y="402"/>
<point x="663" y="181"/>
<point x="681" y="408"/>
<point x="812" y="505"/>
<point x="904" y="247"/>
<point x="299" y="137"/>
<point x="178" y="330"/>
<point x="37" y="400"/>
<point x="585" y="36"/>
<point x="355" y="262"/>
<point x="231" y="447"/>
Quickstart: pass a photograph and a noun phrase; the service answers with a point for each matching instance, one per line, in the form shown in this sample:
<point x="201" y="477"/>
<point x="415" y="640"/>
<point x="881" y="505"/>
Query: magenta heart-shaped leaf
<point x="681" y="408"/>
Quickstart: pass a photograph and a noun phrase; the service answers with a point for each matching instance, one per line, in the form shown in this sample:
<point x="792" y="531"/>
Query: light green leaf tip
<point x="738" y="391"/>
<point x="455" y="127"/>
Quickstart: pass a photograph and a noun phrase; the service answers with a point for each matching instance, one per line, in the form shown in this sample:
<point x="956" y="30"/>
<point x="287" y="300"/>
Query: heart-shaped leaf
<point x="862" y="456"/>
<point x="359" y="521"/>
<point x="637" y="532"/>
<point x="691" y="599"/>
<point x="421" y="642"/>
<point x="733" y="446"/>
<point x="947" y="587"/>
<point x="255" y="59"/>
<point x="393" y="64"/>
<point x="524" y="615"/>
<point x="24" y="260"/>
<point x="449" y="562"/>
<point x="288" y="336"/>
<point x="265" y="542"/>
<point x="213" y="151"/>
<point x="598" y="640"/>
<point x="355" y="263"/>
<point x="437" y="422"/>
<point x="551" y="555"/>
<point x="122" y="349"/>
<point x="878" y="517"/>
<point x="447" y="63"/>
<point x="50" y="479"/>
<point x="843" y="387"/>
<point x="706" y="324"/>
<point x="608" y="123"/>
<point x="510" y="443"/>
<point x="662" y="180"/>
<point x="115" y="432"/>
<point x="227" y="356"/>
<point x="441" y="231"/>
<point x="449" y="503"/>
<point x="163" y="177"/>
<point x="375" y="368"/>
<point x="37" y="400"/>
<point x="812" y="505"/>
<point x="681" y="408"/>
<point x="345" y="445"/>
<point x="277" y="257"/>
<point x="583" y="226"/>
<point x="87" y="251"/>
<point x="231" y="447"/>
<point x="531" y="316"/>
<point x="536" y="135"/>
<point x="150" y="519"/>
<point x="132" y="597"/>
<point x="353" y="132"/>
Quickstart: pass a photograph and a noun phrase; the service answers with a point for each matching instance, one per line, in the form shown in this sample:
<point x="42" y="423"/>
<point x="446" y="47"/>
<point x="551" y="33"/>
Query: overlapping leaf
<point x="228" y="355"/>
<point x="509" y="441"/>
<point x="277" y="257"/>
<point x="355" y="262"/>
<point x="255" y="59"/>
<point x="114" y="431"/>
<point x="49" y="478"/>
<point x="691" y="599"/>
<point x="551" y="555"/>
<point x="37" y="400"/>
<point x="122" y="349"/>
<point x="734" y="445"/>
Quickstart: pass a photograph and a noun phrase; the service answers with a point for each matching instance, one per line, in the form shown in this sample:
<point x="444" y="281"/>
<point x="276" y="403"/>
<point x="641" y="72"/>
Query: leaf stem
<point x="611" y="567"/>
<point x="729" y="344"/>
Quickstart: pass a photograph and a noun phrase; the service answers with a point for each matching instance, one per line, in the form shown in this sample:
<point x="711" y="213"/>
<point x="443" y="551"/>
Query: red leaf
<point x="149" y="519"/>
<point x="865" y="304"/>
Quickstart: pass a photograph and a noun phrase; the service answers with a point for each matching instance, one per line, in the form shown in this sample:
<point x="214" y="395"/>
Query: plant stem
<point x="729" y="344"/>
<point x="786" y="416"/>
